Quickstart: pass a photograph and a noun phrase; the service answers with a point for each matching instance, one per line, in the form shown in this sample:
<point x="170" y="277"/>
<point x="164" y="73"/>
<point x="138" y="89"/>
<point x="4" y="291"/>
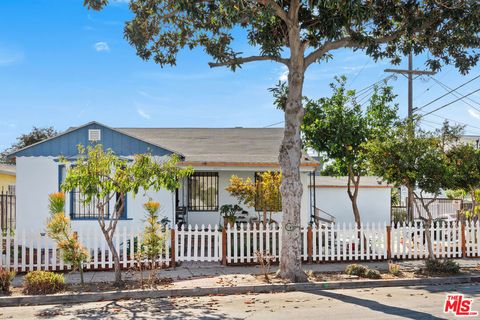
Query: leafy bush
<point x="43" y="282"/>
<point x="442" y="266"/>
<point x="356" y="270"/>
<point x="6" y="277"/>
<point x="373" y="274"/>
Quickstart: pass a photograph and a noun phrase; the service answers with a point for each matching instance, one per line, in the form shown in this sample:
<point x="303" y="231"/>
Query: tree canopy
<point x="24" y="140"/>
<point x="159" y="29"/>
<point x="464" y="162"/>
<point x="339" y="127"/>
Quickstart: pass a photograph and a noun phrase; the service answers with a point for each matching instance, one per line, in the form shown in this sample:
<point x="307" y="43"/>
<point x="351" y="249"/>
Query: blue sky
<point x="62" y="65"/>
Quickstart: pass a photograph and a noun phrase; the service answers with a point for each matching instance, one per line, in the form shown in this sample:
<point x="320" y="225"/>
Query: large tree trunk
<point x="290" y="157"/>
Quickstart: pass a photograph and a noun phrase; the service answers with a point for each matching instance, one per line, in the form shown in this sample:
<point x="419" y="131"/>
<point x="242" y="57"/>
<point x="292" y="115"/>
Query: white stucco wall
<point x="37" y="177"/>
<point x="373" y="204"/>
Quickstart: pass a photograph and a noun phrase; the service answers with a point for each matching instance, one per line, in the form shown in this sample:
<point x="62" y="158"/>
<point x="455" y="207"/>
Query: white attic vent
<point x="94" y="135"/>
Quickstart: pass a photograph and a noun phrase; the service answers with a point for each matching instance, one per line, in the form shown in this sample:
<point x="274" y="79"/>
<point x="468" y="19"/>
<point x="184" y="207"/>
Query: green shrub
<point x="43" y="282"/>
<point x="356" y="270"/>
<point x="6" y="277"/>
<point x="373" y="274"/>
<point x="442" y="266"/>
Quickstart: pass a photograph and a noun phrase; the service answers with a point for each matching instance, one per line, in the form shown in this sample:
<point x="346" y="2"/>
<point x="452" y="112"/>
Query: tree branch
<point x="293" y="11"/>
<point x="246" y="60"/>
<point x="346" y="42"/>
<point x="278" y="10"/>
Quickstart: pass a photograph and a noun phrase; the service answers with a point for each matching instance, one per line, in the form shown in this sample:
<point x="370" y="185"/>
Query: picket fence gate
<point x="29" y="250"/>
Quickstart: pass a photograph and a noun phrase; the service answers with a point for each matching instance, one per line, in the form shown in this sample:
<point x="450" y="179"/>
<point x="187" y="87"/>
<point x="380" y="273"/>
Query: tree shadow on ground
<point x="164" y="308"/>
<point x="376" y="306"/>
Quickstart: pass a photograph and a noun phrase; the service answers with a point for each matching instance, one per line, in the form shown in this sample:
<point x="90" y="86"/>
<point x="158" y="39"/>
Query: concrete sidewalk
<point x="195" y="270"/>
<point x="199" y="270"/>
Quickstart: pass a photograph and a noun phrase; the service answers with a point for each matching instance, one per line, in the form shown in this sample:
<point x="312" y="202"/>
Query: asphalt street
<point x="376" y="303"/>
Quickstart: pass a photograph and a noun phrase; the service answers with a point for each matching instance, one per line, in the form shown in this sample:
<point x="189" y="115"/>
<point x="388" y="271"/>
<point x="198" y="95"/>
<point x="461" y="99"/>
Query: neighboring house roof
<point x="7" y="169"/>
<point x="341" y="182"/>
<point x="196" y="146"/>
<point x="475" y="140"/>
<point x="66" y="143"/>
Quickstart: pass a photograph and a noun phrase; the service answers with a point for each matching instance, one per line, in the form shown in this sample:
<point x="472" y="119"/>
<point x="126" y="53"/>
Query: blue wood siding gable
<point x="66" y="144"/>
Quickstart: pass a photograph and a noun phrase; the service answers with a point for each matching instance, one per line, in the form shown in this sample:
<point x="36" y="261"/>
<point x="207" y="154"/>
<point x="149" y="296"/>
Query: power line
<point x="446" y="94"/>
<point x="274" y="124"/>
<point x="453" y="120"/>
<point x="430" y="87"/>
<point x="356" y="76"/>
<point x="451" y="102"/>
<point x="456" y="94"/>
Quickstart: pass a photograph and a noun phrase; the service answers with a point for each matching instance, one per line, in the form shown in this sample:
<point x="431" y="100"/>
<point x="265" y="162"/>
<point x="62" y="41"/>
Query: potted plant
<point x="229" y="213"/>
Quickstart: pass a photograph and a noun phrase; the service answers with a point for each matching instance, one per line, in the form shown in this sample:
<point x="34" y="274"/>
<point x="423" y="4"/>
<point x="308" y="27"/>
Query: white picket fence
<point x="198" y="244"/>
<point x="34" y="250"/>
<point x="25" y="251"/>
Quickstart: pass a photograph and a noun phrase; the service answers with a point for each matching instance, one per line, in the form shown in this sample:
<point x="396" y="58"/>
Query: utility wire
<point x="457" y="94"/>
<point x="456" y="121"/>
<point x="274" y="124"/>
<point x="451" y="102"/>
<point x="446" y="94"/>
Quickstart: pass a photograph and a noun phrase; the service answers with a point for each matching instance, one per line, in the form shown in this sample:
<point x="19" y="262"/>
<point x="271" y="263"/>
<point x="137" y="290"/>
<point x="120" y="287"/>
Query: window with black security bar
<point x="81" y="210"/>
<point x="258" y="199"/>
<point x="203" y="191"/>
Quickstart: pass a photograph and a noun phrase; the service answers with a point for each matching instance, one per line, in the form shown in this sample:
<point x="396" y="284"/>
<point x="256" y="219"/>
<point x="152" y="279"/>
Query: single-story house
<point x="374" y="199"/>
<point x="7" y="178"/>
<point x="215" y="154"/>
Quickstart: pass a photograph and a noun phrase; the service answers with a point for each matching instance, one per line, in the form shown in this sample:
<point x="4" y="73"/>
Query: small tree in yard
<point x="299" y="34"/>
<point x="415" y="160"/>
<point x="338" y="128"/>
<point x="100" y="175"/>
<point x="263" y="194"/>
<point x="465" y="164"/>
<point x="59" y="229"/>
<point x="153" y="237"/>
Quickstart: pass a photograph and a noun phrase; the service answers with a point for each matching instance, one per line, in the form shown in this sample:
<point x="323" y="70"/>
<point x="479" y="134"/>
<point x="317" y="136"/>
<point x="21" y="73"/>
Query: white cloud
<point x="9" y="57"/>
<point x="283" y="74"/>
<point x="143" y="114"/>
<point x="7" y="124"/>
<point x="101" y="46"/>
<point x="474" y="113"/>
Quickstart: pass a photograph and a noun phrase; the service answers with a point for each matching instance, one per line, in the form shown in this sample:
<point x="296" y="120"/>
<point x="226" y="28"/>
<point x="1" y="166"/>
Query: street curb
<point x="205" y="291"/>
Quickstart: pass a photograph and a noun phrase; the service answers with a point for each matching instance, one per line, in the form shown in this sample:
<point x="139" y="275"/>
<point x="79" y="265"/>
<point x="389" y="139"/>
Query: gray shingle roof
<point x="230" y="145"/>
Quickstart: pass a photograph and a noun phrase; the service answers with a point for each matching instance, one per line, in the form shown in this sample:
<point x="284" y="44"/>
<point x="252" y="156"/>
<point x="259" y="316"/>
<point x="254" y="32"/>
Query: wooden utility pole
<point x="409" y="73"/>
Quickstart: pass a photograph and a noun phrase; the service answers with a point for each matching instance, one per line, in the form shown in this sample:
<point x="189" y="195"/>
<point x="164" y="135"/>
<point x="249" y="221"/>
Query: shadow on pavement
<point x="377" y="306"/>
<point x="136" y="309"/>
